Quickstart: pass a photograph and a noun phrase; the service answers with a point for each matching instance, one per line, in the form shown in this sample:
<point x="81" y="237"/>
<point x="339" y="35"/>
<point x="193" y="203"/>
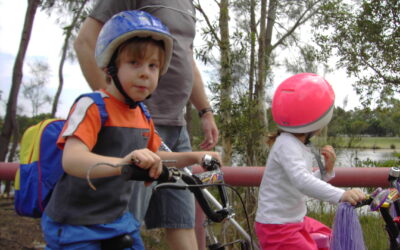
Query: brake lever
<point x="205" y="178"/>
<point x="175" y="181"/>
<point x="175" y="185"/>
<point x="210" y="163"/>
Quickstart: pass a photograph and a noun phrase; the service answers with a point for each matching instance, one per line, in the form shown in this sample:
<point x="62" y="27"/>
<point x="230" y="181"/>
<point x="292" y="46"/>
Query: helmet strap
<point x="113" y="70"/>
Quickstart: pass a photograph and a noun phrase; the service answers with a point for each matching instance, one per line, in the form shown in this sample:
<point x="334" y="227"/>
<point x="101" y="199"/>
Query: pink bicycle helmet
<point x="303" y="103"/>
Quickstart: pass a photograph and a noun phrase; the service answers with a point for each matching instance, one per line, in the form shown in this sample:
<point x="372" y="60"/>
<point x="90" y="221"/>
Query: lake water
<point x="351" y="157"/>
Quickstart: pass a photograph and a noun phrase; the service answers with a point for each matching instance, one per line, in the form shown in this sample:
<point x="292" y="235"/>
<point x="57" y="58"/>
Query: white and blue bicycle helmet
<point x="119" y="29"/>
<point x="128" y="24"/>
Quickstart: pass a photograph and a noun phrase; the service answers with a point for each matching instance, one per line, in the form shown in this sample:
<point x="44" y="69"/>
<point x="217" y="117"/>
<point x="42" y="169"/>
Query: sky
<point x="46" y="42"/>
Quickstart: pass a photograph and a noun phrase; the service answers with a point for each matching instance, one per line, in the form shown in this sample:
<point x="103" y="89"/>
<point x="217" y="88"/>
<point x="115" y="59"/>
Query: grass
<point x="373" y="226"/>
<point x="375" y="235"/>
<point x="154" y="239"/>
<point x="371" y="142"/>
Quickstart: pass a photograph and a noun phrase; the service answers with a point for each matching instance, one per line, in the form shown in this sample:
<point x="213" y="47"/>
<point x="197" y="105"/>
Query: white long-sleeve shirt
<point x="287" y="180"/>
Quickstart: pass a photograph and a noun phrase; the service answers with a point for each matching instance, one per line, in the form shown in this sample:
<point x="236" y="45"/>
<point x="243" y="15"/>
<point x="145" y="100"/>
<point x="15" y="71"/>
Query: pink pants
<point x="291" y="236"/>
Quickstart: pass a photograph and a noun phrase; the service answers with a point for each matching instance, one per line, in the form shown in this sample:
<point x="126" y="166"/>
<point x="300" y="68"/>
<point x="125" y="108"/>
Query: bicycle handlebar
<point x="382" y="200"/>
<point x="135" y="173"/>
<point x="192" y="182"/>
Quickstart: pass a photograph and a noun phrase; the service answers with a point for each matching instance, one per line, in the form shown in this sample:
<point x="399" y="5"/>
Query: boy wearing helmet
<point x="134" y="48"/>
<point x="302" y="105"/>
<point x="172" y="210"/>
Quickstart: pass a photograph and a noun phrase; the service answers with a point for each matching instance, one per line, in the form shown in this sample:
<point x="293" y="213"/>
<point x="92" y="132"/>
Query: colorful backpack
<point x="40" y="163"/>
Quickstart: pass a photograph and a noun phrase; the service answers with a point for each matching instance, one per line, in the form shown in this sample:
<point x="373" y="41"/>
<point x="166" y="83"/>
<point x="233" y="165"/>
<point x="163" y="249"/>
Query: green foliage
<point x="244" y="126"/>
<point x="25" y="121"/>
<point x="365" y="36"/>
<point x="66" y="11"/>
<point x="241" y="99"/>
<point x="195" y="129"/>
<point x="384" y="164"/>
<point x="352" y="141"/>
<point x="381" y="121"/>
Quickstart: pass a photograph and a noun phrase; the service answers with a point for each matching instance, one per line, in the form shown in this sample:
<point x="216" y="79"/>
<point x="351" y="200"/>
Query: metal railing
<point x="251" y="176"/>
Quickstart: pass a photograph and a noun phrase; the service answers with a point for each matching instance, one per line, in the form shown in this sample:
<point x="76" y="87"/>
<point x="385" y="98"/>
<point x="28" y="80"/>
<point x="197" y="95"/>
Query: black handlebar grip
<point x="133" y="172"/>
<point x="165" y="175"/>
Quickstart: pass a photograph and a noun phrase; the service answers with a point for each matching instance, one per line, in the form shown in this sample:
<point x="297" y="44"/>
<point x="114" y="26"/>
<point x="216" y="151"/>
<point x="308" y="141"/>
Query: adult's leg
<point x="181" y="238"/>
<point x="140" y="199"/>
<point x="170" y="208"/>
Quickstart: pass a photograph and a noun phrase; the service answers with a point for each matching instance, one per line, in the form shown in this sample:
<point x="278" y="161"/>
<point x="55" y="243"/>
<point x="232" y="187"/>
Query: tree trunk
<point x="258" y="150"/>
<point x="226" y="81"/>
<point x="250" y="145"/>
<point x="16" y="139"/>
<point x="10" y="118"/>
<point x="256" y="144"/>
<point x="11" y="156"/>
<point x="68" y="34"/>
<point x="253" y="29"/>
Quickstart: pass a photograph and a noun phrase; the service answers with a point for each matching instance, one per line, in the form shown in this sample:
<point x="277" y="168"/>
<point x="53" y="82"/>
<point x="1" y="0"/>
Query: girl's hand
<point x="330" y="157"/>
<point x="146" y="159"/>
<point x="353" y="196"/>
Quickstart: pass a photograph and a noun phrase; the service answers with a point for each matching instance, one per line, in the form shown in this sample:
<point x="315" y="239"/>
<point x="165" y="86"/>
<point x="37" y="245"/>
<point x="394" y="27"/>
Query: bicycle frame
<point x="231" y="220"/>
<point x="216" y="203"/>
<point x="383" y="200"/>
<point x="393" y="228"/>
<point x="174" y="178"/>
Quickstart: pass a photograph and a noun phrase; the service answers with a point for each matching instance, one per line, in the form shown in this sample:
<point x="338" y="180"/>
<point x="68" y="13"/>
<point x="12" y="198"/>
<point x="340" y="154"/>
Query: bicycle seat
<point x="322" y="240"/>
<point x="117" y="243"/>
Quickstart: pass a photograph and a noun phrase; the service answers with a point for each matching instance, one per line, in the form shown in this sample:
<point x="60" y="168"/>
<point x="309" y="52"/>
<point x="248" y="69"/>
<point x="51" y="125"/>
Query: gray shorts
<point x="172" y="208"/>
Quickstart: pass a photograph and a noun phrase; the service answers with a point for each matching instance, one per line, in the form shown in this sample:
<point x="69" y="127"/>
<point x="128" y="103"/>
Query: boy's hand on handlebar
<point x="145" y="159"/>
<point x="353" y="196"/>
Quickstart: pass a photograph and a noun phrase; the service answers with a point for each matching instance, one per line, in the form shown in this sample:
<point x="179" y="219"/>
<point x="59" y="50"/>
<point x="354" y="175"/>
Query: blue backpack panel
<point x="40" y="163"/>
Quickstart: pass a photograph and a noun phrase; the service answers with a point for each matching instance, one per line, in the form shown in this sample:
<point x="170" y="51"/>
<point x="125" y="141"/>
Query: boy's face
<point x="138" y="76"/>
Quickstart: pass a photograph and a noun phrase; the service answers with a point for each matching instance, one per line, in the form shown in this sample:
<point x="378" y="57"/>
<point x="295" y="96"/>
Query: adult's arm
<point x="85" y="45"/>
<point x="184" y="159"/>
<point x="199" y="99"/>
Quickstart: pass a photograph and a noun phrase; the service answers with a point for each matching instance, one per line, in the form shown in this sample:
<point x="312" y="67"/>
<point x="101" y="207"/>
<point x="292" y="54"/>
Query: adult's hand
<point x="210" y="131"/>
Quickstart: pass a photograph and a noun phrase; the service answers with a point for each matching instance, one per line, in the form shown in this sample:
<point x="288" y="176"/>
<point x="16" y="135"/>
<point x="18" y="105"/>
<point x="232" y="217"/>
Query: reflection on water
<point x="352" y="157"/>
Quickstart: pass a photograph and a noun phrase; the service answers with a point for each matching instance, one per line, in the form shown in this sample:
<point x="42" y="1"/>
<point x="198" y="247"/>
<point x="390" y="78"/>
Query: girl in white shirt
<point x="302" y="105"/>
